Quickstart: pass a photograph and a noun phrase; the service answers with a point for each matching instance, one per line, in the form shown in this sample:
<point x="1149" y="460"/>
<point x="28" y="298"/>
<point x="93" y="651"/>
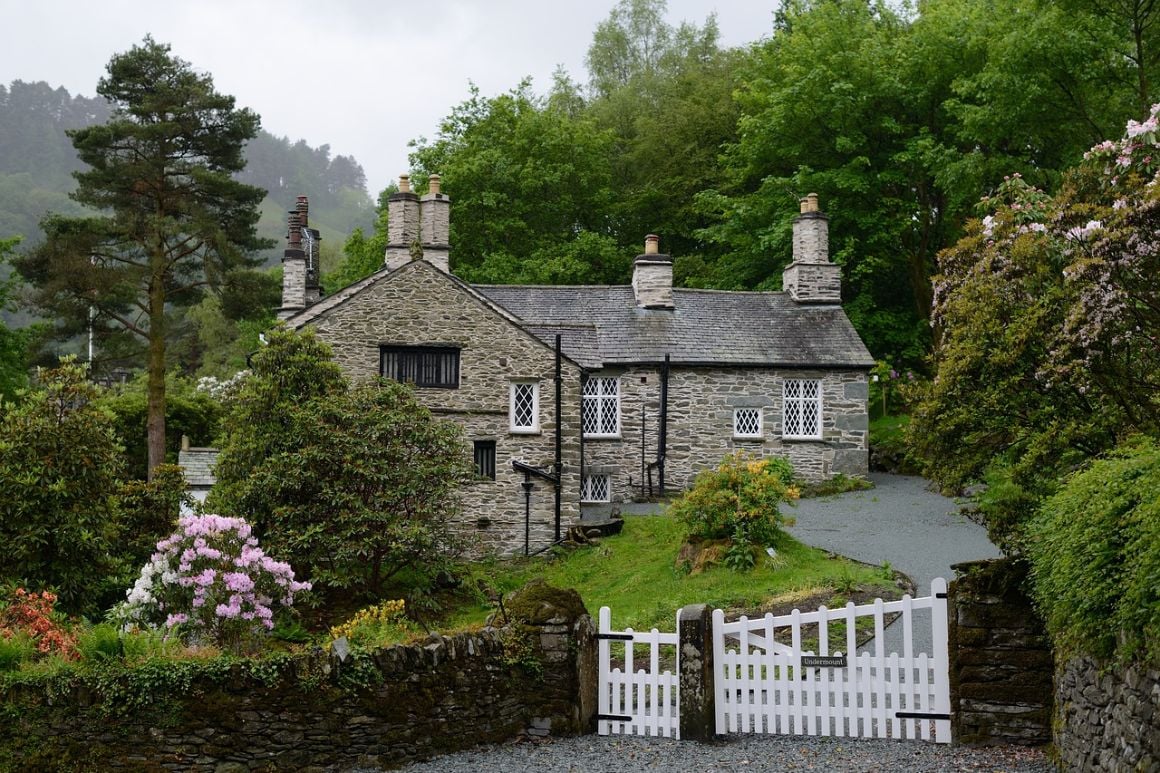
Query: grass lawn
<point x="634" y="574"/>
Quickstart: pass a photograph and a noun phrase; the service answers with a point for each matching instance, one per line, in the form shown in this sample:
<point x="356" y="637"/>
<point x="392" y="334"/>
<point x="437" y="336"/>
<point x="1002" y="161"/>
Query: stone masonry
<point x="403" y="703"/>
<point x="423" y="306"/>
<point x="701" y="402"/>
<point x="1001" y="659"/>
<point x="1108" y="716"/>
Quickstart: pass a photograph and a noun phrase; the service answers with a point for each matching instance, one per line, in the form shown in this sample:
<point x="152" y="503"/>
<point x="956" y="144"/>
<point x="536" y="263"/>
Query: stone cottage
<point x="596" y="394"/>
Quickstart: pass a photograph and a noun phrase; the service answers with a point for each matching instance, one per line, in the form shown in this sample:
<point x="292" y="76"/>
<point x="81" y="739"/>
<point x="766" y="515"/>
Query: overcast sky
<point x="365" y="76"/>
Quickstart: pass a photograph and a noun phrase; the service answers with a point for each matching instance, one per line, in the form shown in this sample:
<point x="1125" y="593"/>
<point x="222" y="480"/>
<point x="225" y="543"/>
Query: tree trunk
<point x="156" y="411"/>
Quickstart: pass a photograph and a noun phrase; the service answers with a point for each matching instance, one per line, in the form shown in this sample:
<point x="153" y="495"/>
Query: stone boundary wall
<point x="1000" y="657"/>
<point x="446" y="694"/>
<point x="1108" y="717"/>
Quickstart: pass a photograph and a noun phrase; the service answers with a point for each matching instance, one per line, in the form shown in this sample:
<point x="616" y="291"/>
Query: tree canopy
<point x="174" y="221"/>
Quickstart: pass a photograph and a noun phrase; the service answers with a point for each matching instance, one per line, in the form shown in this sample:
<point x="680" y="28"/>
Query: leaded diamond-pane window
<point x="747" y="422"/>
<point x="423" y="366"/>
<point x="595" y="488"/>
<point x="802" y="408"/>
<point x="525" y="407"/>
<point x="601" y="407"/>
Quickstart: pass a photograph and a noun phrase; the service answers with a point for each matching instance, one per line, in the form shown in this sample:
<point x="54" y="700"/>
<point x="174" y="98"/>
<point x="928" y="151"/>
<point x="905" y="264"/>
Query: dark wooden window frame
<point x="424" y="366"/>
<point x="484" y="457"/>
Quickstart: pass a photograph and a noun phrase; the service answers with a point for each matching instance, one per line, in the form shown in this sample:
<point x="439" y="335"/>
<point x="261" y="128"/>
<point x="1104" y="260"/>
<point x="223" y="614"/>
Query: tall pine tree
<point x="173" y="221"/>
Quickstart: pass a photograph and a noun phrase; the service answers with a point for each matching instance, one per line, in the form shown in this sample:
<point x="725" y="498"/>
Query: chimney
<point x="811" y="277"/>
<point x="293" y="270"/>
<point x="652" y="277"/>
<point x="310" y="246"/>
<point x="435" y="225"/>
<point x="402" y="225"/>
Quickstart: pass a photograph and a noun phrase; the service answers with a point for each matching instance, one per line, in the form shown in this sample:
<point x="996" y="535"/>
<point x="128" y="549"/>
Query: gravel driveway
<point x="900" y="520"/>
<point x="613" y="754"/>
<point x="919" y="533"/>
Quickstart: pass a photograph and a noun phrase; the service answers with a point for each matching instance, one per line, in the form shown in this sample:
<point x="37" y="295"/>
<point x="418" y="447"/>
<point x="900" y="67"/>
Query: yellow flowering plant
<point x="379" y="624"/>
<point x="739" y="500"/>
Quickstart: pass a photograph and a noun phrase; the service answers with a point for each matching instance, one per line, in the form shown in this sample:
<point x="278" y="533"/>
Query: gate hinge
<point x="919" y="715"/>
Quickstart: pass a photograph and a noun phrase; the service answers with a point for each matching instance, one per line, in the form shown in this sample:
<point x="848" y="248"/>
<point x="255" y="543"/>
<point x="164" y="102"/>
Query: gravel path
<point x="612" y="754"/>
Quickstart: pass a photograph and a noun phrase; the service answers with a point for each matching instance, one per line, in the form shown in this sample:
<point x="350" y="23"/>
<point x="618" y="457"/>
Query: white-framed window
<point x="596" y="488"/>
<point x="524" y="407"/>
<point x="802" y="409"/>
<point x="747" y="422"/>
<point x="601" y="407"/>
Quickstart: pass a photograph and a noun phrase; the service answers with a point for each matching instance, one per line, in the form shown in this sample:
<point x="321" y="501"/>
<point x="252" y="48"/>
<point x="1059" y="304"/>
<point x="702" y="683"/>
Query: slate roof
<point x="604" y="326"/>
<point x="198" y="464"/>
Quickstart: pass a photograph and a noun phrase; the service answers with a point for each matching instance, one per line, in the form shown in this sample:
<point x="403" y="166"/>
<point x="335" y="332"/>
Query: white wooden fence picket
<point x="636" y="702"/>
<point x="763" y="686"/>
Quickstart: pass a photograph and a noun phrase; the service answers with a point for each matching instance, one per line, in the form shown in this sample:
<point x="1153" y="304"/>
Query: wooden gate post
<point x="698" y="716"/>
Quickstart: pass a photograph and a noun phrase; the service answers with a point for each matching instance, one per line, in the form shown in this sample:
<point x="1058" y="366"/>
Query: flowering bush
<point x="738" y="501"/>
<point x="210" y="581"/>
<point x="378" y="624"/>
<point x="32" y="615"/>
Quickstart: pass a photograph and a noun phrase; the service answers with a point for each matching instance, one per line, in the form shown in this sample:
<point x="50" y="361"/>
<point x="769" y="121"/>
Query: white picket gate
<point x="636" y="701"/>
<point x="763" y="686"/>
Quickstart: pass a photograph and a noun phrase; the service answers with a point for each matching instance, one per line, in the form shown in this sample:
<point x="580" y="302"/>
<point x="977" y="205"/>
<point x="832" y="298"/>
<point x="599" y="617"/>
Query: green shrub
<point x="1007" y="505"/>
<point x="15" y="650"/>
<point x="738" y="501"/>
<point x="1095" y="551"/>
<point x="99" y="643"/>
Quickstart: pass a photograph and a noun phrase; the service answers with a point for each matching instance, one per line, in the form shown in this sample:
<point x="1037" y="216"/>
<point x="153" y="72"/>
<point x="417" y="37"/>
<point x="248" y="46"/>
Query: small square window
<point x="485" y="458"/>
<point x="747" y="422"/>
<point x="596" y="488"/>
<point x="525" y="406"/>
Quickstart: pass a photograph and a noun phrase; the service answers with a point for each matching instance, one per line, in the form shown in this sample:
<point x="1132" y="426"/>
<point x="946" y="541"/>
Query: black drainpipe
<point x="559" y="469"/>
<point x="662" y="442"/>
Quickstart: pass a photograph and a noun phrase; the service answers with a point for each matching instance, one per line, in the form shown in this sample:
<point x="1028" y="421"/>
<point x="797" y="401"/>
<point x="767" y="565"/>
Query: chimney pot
<point x="303" y="208"/>
<point x="433" y="184"/>
<point x="295" y="230"/>
<point x="651" y="244"/>
<point x="404" y="183"/>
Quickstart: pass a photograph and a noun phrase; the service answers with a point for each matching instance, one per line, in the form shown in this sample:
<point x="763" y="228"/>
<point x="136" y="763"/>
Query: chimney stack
<point x="402" y="225"/>
<point x="310" y="246"/>
<point x="435" y="225"/>
<point x="811" y="277"/>
<point x="293" y="269"/>
<point x="652" y="276"/>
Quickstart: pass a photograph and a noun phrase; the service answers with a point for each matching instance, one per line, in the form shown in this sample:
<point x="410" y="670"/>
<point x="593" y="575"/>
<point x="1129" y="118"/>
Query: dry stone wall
<point x="422" y="306"/>
<point x="701" y="402"/>
<point x="418" y="701"/>
<point x="1108" y="716"/>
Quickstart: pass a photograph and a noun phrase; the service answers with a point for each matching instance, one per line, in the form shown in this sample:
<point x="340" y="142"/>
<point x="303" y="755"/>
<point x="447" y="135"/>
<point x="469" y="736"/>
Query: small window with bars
<point x="596" y="488"/>
<point x="525" y="406"/>
<point x="484" y="459"/>
<point x="747" y="422"/>
<point x="601" y="407"/>
<point x="423" y="366"/>
<point x="802" y="409"/>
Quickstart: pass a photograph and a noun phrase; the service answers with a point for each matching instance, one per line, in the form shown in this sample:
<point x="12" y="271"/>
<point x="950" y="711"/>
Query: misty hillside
<point x="37" y="161"/>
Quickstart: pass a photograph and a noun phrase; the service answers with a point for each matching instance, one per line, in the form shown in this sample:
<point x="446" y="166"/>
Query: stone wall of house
<point x="701" y="402"/>
<point x="1001" y="658"/>
<point x="422" y="306"/>
<point x="1108" y="716"/>
<point x="416" y="702"/>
